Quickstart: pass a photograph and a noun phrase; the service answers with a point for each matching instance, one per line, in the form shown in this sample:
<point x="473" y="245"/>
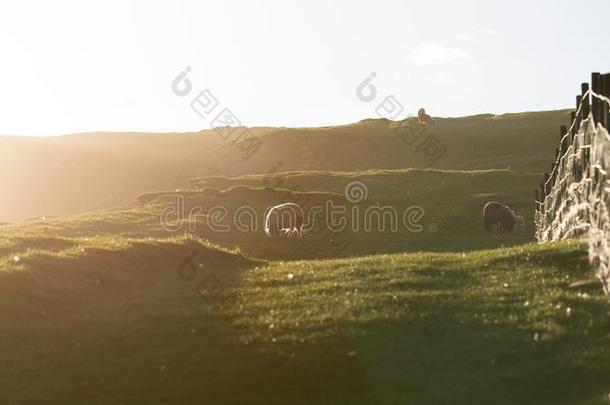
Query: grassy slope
<point x="485" y="327"/>
<point x="77" y="173"/>
<point x="452" y="201"/>
<point x="95" y="308"/>
<point x="523" y="141"/>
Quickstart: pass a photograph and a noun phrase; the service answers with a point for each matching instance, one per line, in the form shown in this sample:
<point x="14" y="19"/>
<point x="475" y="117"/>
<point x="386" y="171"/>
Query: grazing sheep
<point x="423" y="118"/>
<point x="500" y="218"/>
<point x="284" y="219"/>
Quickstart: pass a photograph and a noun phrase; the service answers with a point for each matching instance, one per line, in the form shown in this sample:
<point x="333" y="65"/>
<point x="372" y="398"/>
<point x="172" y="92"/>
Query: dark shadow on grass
<point x="447" y="356"/>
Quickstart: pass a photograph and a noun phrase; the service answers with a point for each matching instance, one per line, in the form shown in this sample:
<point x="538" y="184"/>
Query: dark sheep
<point x="423" y="118"/>
<point x="500" y="218"/>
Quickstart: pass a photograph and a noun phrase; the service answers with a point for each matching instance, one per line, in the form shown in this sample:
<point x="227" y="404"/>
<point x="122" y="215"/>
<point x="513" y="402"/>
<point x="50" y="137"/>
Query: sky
<point x="80" y="66"/>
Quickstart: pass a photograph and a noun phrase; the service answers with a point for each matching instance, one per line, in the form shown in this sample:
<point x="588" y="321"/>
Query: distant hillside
<point x="450" y="203"/>
<point x="83" y="172"/>
<point x="523" y="141"/>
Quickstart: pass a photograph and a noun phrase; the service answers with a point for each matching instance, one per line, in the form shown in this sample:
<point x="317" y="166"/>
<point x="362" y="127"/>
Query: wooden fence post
<point x="602" y="105"/>
<point x="586" y="109"/>
<point x="554" y="167"/>
<point x="605" y="90"/>
<point x="563" y="130"/>
<point x="579" y="116"/>
<point x="595" y="102"/>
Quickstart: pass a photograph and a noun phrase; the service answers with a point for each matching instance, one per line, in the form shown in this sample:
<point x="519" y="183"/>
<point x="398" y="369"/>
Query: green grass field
<point x="452" y="202"/>
<point x="131" y="296"/>
<point x="119" y="320"/>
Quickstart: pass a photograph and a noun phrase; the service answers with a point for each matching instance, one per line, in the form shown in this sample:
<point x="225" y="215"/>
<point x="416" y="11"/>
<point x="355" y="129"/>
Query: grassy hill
<point x="523" y="141"/>
<point x="450" y="201"/>
<point x="83" y="172"/>
<point x="150" y="288"/>
<point x="119" y="320"/>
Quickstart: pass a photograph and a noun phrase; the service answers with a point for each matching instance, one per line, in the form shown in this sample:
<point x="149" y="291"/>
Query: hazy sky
<point x="72" y="66"/>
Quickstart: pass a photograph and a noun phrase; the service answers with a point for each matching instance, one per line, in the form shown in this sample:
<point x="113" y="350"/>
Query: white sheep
<point x="284" y="219"/>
